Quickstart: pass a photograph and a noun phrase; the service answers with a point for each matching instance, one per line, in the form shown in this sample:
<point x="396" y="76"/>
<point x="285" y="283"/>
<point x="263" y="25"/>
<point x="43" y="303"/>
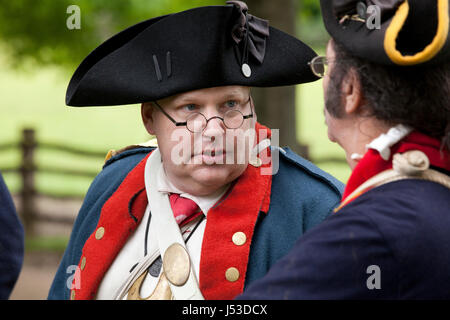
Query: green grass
<point x="39" y="244"/>
<point x="37" y="100"/>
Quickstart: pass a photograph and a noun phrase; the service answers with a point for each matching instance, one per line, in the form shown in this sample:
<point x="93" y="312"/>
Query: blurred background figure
<point x="11" y="242"/>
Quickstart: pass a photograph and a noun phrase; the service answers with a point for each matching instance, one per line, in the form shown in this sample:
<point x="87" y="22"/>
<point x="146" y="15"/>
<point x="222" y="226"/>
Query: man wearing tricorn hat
<point x="387" y="104"/>
<point x="208" y="211"/>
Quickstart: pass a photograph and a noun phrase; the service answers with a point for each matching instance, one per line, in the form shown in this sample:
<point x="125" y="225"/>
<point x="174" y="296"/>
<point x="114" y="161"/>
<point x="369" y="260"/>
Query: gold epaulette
<point x="150" y="143"/>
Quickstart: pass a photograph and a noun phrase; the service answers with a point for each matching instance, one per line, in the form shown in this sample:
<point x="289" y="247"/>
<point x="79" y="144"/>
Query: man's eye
<point x="231" y="104"/>
<point x="190" y="107"/>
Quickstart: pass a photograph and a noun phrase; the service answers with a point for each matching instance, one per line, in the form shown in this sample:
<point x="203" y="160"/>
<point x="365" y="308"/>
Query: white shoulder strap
<point x="177" y="266"/>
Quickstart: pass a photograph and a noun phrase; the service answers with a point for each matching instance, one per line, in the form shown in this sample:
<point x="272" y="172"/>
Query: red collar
<point x="372" y="163"/>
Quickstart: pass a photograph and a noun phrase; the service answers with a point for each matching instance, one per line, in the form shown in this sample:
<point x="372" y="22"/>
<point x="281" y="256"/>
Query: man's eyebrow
<point x="184" y="99"/>
<point x="224" y="96"/>
<point x="234" y="95"/>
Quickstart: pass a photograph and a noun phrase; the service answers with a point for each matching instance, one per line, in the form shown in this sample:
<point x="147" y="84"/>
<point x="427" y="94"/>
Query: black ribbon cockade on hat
<point x="252" y="30"/>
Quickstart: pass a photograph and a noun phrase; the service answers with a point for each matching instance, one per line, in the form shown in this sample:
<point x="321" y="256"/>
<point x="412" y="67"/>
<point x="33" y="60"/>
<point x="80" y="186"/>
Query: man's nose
<point x="214" y="123"/>
<point x="214" y="126"/>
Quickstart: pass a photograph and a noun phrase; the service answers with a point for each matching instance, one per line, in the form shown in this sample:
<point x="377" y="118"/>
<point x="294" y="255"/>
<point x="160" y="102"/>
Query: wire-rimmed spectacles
<point x="197" y="122"/>
<point x="319" y="66"/>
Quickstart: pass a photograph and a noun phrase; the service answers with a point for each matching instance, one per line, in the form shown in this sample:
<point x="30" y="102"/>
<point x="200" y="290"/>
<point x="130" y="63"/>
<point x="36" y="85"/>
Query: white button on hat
<point x="246" y="70"/>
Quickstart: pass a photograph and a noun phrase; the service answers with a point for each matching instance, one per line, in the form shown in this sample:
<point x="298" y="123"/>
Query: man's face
<point x="202" y="162"/>
<point x="343" y="101"/>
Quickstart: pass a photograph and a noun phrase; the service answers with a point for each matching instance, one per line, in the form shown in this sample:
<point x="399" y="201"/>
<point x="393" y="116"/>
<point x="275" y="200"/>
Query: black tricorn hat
<point x="198" y="48"/>
<point x="391" y="32"/>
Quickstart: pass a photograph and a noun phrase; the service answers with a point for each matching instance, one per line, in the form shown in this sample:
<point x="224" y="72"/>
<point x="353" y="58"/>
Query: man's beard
<point x="333" y="98"/>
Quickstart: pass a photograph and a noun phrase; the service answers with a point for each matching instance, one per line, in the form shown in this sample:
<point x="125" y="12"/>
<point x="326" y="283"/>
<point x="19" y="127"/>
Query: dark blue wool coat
<point x="392" y="242"/>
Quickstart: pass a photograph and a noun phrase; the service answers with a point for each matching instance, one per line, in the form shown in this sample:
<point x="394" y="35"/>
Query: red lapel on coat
<point x="119" y="217"/>
<point x="221" y="257"/>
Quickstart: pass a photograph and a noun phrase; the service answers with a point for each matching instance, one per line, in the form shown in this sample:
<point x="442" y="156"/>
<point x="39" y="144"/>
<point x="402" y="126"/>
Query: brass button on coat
<point x="239" y="238"/>
<point x="99" y="233"/>
<point x="232" y="274"/>
<point x="83" y="263"/>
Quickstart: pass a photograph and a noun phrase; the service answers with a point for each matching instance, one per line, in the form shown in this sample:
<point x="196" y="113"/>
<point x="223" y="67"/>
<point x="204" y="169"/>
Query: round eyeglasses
<point x="197" y="122"/>
<point x="319" y="66"/>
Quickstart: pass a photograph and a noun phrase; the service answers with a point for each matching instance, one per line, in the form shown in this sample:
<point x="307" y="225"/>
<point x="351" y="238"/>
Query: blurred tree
<point x="36" y="30"/>
<point x="309" y="9"/>
<point x="310" y="27"/>
<point x="276" y="106"/>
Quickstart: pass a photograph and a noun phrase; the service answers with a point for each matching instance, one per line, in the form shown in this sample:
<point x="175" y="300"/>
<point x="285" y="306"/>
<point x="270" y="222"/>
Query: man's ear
<point x="352" y="93"/>
<point x="147" y="117"/>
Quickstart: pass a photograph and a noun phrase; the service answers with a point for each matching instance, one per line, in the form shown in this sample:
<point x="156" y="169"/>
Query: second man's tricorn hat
<point x="198" y="48"/>
<point x="391" y="32"/>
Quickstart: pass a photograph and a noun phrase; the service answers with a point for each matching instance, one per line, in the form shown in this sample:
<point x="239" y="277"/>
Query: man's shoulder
<point x="307" y="174"/>
<point x="131" y="153"/>
<point x="408" y="197"/>
<point x="420" y="206"/>
<point x="408" y="214"/>
<point x="129" y="156"/>
<point x="116" y="168"/>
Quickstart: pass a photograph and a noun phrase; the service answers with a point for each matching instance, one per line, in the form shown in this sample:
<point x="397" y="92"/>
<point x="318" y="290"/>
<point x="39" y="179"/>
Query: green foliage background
<point x="35" y="31"/>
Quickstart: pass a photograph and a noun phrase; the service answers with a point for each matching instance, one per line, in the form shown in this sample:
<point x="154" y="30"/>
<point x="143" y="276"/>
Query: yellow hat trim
<point x="390" y="40"/>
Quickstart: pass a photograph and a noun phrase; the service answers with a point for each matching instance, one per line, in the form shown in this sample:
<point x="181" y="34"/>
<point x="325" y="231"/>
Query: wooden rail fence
<point x="27" y="169"/>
